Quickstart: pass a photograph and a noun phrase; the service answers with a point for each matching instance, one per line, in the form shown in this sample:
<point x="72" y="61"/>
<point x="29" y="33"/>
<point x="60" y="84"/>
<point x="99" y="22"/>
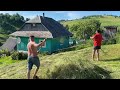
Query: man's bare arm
<point x="92" y="37"/>
<point x="103" y="38"/>
<point x="41" y="43"/>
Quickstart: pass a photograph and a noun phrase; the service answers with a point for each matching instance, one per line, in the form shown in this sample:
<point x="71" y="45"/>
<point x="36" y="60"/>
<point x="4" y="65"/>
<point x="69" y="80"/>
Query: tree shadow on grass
<point x="72" y="71"/>
<point x="115" y="59"/>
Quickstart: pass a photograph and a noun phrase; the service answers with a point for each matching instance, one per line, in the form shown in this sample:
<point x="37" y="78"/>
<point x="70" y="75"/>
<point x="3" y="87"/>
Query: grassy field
<point x="75" y="64"/>
<point x="68" y="65"/>
<point x="105" y="21"/>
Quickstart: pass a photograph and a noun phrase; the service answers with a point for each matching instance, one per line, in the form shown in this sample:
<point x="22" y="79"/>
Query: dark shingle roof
<point x="49" y="26"/>
<point x="110" y="26"/>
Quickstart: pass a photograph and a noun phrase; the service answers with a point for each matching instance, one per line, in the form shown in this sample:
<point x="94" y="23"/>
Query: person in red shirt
<point x="97" y="40"/>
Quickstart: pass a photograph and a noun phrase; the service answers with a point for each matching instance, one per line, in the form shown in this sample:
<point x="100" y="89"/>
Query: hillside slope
<point x="105" y="21"/>
<point x="69" y="65"/>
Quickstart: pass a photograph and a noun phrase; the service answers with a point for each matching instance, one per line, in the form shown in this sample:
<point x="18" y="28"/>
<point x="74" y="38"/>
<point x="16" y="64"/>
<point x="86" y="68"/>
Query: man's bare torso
<point x="32" y="49"/>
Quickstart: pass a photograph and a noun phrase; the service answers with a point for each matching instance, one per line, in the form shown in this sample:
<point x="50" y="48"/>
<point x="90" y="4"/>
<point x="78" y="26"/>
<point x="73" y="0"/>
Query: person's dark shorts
<point x="97" y="47"/>
<point x="33" y="61"/>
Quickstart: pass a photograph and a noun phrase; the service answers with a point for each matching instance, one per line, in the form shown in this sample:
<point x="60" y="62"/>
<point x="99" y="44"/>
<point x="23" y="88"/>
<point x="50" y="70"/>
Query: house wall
<point x="22" y="46"/>
<point x="59" y="43"/>
<point x="52" y="45"/>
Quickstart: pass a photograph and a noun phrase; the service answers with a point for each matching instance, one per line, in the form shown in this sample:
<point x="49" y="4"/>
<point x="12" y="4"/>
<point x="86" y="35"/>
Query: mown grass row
<point x="75" y="64"/>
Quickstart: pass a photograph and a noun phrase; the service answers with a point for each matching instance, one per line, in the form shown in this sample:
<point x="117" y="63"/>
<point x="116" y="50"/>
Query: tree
<point x="85" y="28"/>
<point x="67" y="27"/>
<point x="10" y="23"/>
<point x="27" y="19"/>
<point x="74" y="29"/>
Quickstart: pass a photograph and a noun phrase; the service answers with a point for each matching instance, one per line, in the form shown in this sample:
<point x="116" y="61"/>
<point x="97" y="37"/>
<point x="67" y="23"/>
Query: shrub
<point x="109" y="41"/>
<point x="14" y="56"/>
<point x="19" y="56"/>
<point x="88" y="43"/>
<point x="6" y="52"/>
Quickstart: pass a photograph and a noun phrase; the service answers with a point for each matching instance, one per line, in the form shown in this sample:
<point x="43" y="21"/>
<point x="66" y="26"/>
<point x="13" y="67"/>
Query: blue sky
<point x="58" y="15"/>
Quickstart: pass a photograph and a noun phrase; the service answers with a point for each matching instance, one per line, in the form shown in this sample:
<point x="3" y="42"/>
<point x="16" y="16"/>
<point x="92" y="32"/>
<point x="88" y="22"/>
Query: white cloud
<point x="29" y="16"/>
<point x="73" y="15"/>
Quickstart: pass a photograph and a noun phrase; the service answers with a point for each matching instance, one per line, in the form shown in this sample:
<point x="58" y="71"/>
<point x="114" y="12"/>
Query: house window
<point x="33" y="25"/>
<point x="44" y="46"/>
<point x="62" y="40"/>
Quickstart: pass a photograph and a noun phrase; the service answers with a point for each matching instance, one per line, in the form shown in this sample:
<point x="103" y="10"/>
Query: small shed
<point x="41" y="27"/>
<point x="110" y="30"/>
<point x="10" y="44"/>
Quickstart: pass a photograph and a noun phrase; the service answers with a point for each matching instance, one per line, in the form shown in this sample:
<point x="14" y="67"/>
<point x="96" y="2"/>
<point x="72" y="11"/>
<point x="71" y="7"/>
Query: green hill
<point x="68" y="65"/>
<point x="105" y="21"/>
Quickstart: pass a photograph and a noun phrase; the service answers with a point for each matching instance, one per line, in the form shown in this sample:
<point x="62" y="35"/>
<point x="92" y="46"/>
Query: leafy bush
<point x="88" y="43"/>
<point x="14" y="56"/>
<point x="6" y="52"/>
<point x="85" y="28"/>
<point x="19" y="56"/>
<point x="109" y="41"/>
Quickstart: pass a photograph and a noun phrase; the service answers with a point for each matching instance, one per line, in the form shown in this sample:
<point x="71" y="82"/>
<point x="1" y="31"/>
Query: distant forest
<point x="10" y="23"/>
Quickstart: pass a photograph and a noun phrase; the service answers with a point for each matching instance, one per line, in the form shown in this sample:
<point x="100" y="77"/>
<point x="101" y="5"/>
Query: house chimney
<point x="43" y="15"/>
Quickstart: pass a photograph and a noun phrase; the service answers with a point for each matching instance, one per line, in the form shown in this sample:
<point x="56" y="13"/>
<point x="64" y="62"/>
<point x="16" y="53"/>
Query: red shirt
<point x="97" y="39"/>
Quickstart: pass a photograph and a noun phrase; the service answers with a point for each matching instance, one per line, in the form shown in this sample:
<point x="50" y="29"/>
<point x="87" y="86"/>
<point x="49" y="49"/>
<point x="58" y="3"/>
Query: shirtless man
<point x="32" y="56"/>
